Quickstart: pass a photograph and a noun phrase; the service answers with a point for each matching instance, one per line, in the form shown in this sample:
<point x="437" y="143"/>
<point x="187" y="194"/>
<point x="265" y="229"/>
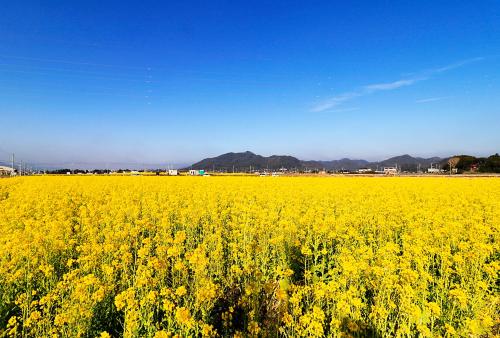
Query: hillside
<point x="469" y="163"/>
<point x="245" y="160"/>
<point x="342" y="164"/>
<point x="410" y="163"/>
<point x="248" y="160"/>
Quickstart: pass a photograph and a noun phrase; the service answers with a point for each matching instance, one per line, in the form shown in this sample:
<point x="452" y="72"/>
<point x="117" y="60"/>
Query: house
<point x="6" y="171"/>
<point x="193" y="172"/>
<point x="173" y="172"/>
<point x="390" y="170"/>
<point x="364" y="170"/>
<point x="433" y="170"/>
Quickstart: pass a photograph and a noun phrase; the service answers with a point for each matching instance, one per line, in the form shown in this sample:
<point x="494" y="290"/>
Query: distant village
<point x="462" y="164"/>
<point x="6" y="171"/>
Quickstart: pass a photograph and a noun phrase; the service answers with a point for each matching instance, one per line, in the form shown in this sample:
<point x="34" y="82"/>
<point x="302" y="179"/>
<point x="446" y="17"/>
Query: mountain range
<point x="248" y="160"/>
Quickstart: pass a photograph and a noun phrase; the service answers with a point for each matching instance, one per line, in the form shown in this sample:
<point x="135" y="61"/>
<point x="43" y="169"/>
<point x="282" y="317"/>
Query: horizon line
<point x="176" y="165"/>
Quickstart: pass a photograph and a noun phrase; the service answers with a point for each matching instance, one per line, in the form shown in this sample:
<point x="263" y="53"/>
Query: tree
<point x="491" y="164"/>
<point x="452" y="162"/>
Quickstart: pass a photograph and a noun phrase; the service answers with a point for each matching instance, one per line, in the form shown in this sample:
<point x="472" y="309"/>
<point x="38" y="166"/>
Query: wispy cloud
<point x="365" y="90"/>
<point x="335" y="101"/>
<point x="456" y="65"/>
<point x="431" y="99"/>
<point x="338" y="100"/>
<point x="341" y="110"/>
<point x="390" y="85"/>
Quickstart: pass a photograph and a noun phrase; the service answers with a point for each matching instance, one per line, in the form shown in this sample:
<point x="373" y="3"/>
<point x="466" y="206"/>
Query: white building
<point x="193" y="172"/>
<point x="6" y="171"/>
<point x="433" y="170"/>
<point x="390" y="170"/>
<point x="364" y="170"/>
<point x="173" y="172"/>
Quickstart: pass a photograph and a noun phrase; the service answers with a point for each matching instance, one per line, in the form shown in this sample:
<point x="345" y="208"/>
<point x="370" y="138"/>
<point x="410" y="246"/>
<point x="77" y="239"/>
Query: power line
<point x="58" y="91"/>
<point x="69" y="62"/>
<point x="81" y="74"/>
<point x="145" y="68"/>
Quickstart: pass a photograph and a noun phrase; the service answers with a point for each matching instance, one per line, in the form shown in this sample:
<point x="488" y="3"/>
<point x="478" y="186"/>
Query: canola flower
<point x="249" y="256"/>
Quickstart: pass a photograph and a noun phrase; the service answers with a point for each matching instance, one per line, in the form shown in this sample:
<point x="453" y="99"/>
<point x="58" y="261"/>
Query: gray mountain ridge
<point x="246" y="160"/>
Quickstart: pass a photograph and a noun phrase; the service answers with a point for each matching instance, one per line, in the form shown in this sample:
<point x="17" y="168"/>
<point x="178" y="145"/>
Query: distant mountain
<point x="6" y="164"/>
<point x="246" y="160"/>
<point x="410" y="163"/>
<point x="109" y="165"/>
<point x="342" y="164"/>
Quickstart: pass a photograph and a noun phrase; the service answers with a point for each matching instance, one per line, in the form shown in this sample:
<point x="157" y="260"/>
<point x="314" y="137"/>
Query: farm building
<point x="390" y="170"/>
<point x="173" y="172"/>
<point x="6" y="171"/>
<point x="193" y="172"/>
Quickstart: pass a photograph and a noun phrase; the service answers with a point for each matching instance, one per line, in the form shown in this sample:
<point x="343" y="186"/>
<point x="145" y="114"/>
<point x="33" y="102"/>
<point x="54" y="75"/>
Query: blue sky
<point x="166" y="82"/>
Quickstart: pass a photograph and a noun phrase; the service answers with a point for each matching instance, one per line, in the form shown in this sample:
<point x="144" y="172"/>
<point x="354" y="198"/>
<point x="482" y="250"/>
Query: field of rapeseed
<point x="249" y="256"/>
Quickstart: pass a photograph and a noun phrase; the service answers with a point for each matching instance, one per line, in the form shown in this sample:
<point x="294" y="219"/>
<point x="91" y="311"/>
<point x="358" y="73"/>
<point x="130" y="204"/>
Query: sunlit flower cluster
<point x="249" y="256"/>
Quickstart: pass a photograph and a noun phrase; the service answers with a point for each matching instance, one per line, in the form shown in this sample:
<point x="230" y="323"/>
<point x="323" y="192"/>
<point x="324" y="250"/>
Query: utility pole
<point x="21" y="168"/>
<point x="13" y="169"/>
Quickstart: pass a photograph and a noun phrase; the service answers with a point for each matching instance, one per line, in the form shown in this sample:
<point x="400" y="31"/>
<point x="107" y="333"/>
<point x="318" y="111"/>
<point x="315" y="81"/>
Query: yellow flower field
<point x="249" y="256"/>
